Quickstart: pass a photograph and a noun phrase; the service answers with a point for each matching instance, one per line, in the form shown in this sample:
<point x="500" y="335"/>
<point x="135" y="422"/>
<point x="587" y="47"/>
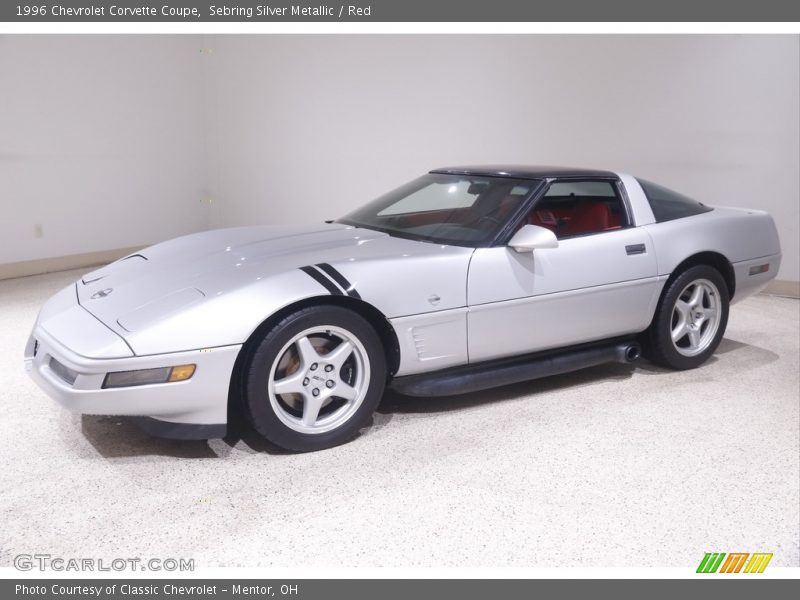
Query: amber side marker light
<point x="120" y="379"/>
<point x="181" y="372"/>
<point x="759" y="269"/>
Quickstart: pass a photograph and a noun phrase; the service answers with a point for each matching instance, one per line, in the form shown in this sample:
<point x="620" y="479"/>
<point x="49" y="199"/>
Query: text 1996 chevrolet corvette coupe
<point x="463" y="279"/>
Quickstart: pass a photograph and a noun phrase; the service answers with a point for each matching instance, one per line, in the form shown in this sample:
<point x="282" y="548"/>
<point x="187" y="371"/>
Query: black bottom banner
<point x="387" y="589"/>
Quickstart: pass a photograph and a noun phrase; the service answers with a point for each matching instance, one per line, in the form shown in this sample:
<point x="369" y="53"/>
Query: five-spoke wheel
<point x="690" y="319"/>
<point x="319" y="379"/>
<point x="315" y="378"/>
<point x="695" y="317"/>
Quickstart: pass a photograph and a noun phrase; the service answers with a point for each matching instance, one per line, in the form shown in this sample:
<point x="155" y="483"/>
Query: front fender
<point x="225" y="318"/>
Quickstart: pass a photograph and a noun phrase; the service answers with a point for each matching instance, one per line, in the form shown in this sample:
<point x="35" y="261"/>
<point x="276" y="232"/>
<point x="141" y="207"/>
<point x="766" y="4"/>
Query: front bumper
<point x="177" y="409"/>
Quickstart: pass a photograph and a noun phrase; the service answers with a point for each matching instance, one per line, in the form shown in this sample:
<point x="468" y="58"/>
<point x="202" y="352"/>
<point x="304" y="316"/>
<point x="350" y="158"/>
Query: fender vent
<point x="419" y="343"/>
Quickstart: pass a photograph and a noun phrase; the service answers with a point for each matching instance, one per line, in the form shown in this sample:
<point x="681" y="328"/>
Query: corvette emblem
<point x="101" y="294"/>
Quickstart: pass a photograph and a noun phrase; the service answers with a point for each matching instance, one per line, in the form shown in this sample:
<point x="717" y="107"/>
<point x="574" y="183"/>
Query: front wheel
<point x="690" y="319"/>
<point x="315" y="379"/>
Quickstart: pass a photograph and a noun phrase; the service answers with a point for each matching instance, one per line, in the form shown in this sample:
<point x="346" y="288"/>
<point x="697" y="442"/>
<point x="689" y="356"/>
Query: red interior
<point x="586" y="216"/>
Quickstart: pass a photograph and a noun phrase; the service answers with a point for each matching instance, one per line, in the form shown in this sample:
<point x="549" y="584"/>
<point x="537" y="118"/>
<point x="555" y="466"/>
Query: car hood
<point x="162" y="280"/>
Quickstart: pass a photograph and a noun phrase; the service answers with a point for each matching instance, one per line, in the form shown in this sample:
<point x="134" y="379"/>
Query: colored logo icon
<point x="734" y="562"/>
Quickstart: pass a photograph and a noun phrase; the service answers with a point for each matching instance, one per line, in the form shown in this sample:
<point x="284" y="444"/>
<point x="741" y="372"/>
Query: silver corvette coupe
<point x="463" y="279"/>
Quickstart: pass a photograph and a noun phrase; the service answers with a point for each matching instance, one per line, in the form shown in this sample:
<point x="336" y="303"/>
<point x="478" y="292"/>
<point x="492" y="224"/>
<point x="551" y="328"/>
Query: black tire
<point x="659" y="346"/>
<point x="258" y="401"/>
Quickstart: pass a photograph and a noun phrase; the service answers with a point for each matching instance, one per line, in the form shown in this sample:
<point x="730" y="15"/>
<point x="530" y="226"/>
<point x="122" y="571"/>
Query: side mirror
<point x="531" y="237"/>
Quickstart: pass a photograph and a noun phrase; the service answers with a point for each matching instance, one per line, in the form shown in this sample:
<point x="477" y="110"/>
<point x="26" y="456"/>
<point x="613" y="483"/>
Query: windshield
<point x="461" y="210"/>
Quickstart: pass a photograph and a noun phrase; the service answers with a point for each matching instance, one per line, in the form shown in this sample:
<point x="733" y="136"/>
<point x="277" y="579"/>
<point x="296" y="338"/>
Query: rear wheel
<point x="315" y="379"/>
<point x="690" y="319"/>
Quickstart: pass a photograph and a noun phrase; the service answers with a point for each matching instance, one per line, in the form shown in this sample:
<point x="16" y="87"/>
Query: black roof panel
<point x="523" y="171"/>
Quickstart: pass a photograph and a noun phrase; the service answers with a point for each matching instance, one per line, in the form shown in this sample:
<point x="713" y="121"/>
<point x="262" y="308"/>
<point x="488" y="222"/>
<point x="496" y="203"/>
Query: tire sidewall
<point x="258" y="407"/>
<point x="663" y="349"/>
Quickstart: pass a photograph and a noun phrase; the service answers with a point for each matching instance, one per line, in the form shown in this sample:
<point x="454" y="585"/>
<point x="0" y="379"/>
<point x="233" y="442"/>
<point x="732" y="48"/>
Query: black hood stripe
<point x="322" y="280"/>
<point x="340" y="279"/>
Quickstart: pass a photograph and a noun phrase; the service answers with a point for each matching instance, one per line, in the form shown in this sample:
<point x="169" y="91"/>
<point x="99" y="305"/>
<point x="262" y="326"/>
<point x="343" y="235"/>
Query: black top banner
<point x="398" y="11"/>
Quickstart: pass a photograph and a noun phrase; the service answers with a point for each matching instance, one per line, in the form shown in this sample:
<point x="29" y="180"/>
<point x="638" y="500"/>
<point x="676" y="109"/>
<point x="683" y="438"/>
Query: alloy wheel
<point x="695" y="317"/>
<point x="319" y="379"/>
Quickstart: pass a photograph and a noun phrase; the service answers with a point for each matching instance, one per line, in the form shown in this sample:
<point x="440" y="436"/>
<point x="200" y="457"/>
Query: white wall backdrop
<point x="114" y="141"/>
<point x="101" y="142"/>
<point x="303" y="128"/>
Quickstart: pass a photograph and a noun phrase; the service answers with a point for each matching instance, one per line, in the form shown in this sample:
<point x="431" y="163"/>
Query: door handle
<point x="635" y="249"/>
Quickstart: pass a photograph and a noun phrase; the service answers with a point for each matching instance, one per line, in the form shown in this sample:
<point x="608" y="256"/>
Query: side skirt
<point x="490" y="374"/>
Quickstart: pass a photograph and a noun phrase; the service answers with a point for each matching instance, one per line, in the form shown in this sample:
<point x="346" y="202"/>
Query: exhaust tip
<point x="633" y="352"/>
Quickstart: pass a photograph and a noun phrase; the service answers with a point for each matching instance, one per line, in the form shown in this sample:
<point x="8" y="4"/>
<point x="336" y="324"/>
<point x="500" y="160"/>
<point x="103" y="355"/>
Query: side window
<point x="571" y="208"/>
<point x="668" y="205"/>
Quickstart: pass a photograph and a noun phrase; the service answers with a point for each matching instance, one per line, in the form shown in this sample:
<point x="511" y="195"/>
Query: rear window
<point x="668" y="205"/>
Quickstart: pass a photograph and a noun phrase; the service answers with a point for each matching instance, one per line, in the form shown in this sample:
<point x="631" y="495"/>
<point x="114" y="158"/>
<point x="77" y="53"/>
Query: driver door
<point x="600" y="282"/>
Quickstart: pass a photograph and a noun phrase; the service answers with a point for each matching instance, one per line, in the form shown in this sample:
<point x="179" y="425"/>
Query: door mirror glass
<point x="531" y="237"/>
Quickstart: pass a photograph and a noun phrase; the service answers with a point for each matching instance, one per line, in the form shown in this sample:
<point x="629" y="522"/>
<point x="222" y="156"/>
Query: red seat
<point x="588" y="217"/>
<point x="543" y="218"/>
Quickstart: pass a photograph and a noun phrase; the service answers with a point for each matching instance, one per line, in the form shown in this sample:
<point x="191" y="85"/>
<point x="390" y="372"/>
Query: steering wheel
<point x="489" y="218"/>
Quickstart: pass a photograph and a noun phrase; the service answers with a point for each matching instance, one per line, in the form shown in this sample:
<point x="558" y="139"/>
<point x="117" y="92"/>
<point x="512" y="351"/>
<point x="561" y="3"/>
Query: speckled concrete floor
<point x="612" y="466"/>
